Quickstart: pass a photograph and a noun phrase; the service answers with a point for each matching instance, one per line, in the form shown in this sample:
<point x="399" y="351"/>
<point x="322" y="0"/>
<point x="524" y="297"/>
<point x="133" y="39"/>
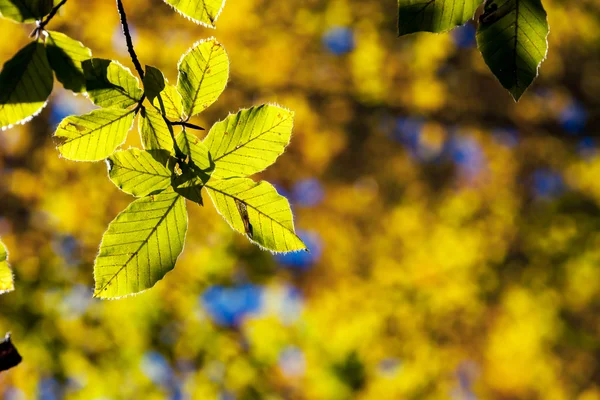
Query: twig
<point x="187" y="124"/>
<point x="134" y="59"/>
<point x="42" y="24"/>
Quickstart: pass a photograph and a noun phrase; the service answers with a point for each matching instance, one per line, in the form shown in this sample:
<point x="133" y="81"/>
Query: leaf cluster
<point x="511" y="34"/>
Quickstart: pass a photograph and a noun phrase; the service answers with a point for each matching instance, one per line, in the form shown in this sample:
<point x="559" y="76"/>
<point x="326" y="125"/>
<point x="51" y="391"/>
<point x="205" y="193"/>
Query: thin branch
<point x="134" y="58"/>
<point x="187" y="124"/>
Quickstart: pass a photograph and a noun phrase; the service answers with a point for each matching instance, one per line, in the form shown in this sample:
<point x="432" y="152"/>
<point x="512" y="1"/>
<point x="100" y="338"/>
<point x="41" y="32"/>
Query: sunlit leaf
<point x="204" y="12"/>
<point x="203" y="74"/>
<point x="154" y="131"/>
<point x="93" y="136"/>
<point x="198" y="169"/>
<point x="137" y="172"/>
<point x="25" y="84"/>
<point x="141" y="245"/>
<point x="6" y="276"/>
<point x="65" y="56"/>
<point x="195" y="149"/>
<point x="269" y="217"/>
<point x="163" y="96"/>
<point x="434" y="15"/>
<point x="512" y="38"/>
<point x="109" y="84"/>
<point x="249" y="141"/>
<point x="25" y="10"/>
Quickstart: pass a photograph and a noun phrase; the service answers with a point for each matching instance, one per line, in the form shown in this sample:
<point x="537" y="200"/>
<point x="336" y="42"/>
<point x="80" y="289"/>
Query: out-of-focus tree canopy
<point x="453" y="233"/>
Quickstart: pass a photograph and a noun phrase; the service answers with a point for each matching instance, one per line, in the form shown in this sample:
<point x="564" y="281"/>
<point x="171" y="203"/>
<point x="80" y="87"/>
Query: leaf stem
<point x="125" y="26"/>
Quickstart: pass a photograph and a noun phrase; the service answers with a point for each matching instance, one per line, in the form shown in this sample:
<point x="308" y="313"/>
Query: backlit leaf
<point x="6" y="276"/>
<point x="109" y="84"/>
<point x="203" y="75"/>
<point x="249" y="141"/>
<point x="65" y="56"/>
<point x="140" y="245"/>
<point x="512" y="38"/>
<point x="154" y="131"/>
<point x="25" y="10"/>
<point x="204" y="12"/>
<point x="163" y="96"/>
<point x="93" y="136"/>
<point x="269" y="222"/>
<point x="198" y="169"/>
<point x="434" y="15"/>
<point x="137" y="172"/>
<point x="25" y="84"/>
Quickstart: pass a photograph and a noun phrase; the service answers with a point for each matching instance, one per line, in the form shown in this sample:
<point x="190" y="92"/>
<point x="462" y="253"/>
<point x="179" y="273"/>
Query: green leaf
<point x="93" y="136"/>
<point x="512" y="38"/>
<point x="138" y="172"/>
<point x="109" y="84"/>
<point x="198" y="169"/>
<point x="203" y="12"/>
<point x="249" y="141"/>
<point x="434" y="15"/>
<point x="25" y="10"/>
<point x="66" y="56"/>
<point x="140" y="245"/>
<point x="196" y="151"/>
<point x="256" y="210"/>
<point x="203" y="74"/>
<point x="163" y="96"/>
<point x="6" y="276"/>
<point x="154" y="131"/>
<point x="25" y="84"/>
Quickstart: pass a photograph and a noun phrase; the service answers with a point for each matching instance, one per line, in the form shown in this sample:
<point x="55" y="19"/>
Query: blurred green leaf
<point x="137" y="172"/>
<point x="109" y="84"/>
<point x="140" y="245"/>
<point x="249" y="141"/>
<point x="25" y="84"/>
<point x="203" y="74"/>
<point x="6" y="276"/>
<point x="25" y="10"/>
<point x="154" y="131"/>
<point x="66" y="56"/>
<point x="434" y="15"/>
<point x="256" y="210"/>
<point x="512" y="38"/>
<point x="204" y="12"/>
<point x="93" y="136"/>
<point x="162" y="95"/>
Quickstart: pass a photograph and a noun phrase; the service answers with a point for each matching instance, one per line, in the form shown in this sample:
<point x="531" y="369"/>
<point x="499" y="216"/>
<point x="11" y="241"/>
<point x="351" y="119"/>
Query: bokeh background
<point x="454" y="234"/>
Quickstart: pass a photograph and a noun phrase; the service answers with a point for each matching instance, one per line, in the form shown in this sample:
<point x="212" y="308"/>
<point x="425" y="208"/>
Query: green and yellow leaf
<point x="203" y="12"/>
<point x="154" y="131"/>
<point x="256" y="210"/>
<point x="25" y="84"/>
<point x="138" y="172"/>
<point x="140" y="245"/>
<point x="93" y="136"/>
<point x="512" y="36"/>
<point x="196" y="151"/>
<point x="163" y="96"/>
<point x="434" y="15"/>
<point x="249" y="141"/>
<point x="6" y="276"/>
<point x="109" y="84"/>
<point x="66" y="56"/>
<point x="203" y="75"/>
